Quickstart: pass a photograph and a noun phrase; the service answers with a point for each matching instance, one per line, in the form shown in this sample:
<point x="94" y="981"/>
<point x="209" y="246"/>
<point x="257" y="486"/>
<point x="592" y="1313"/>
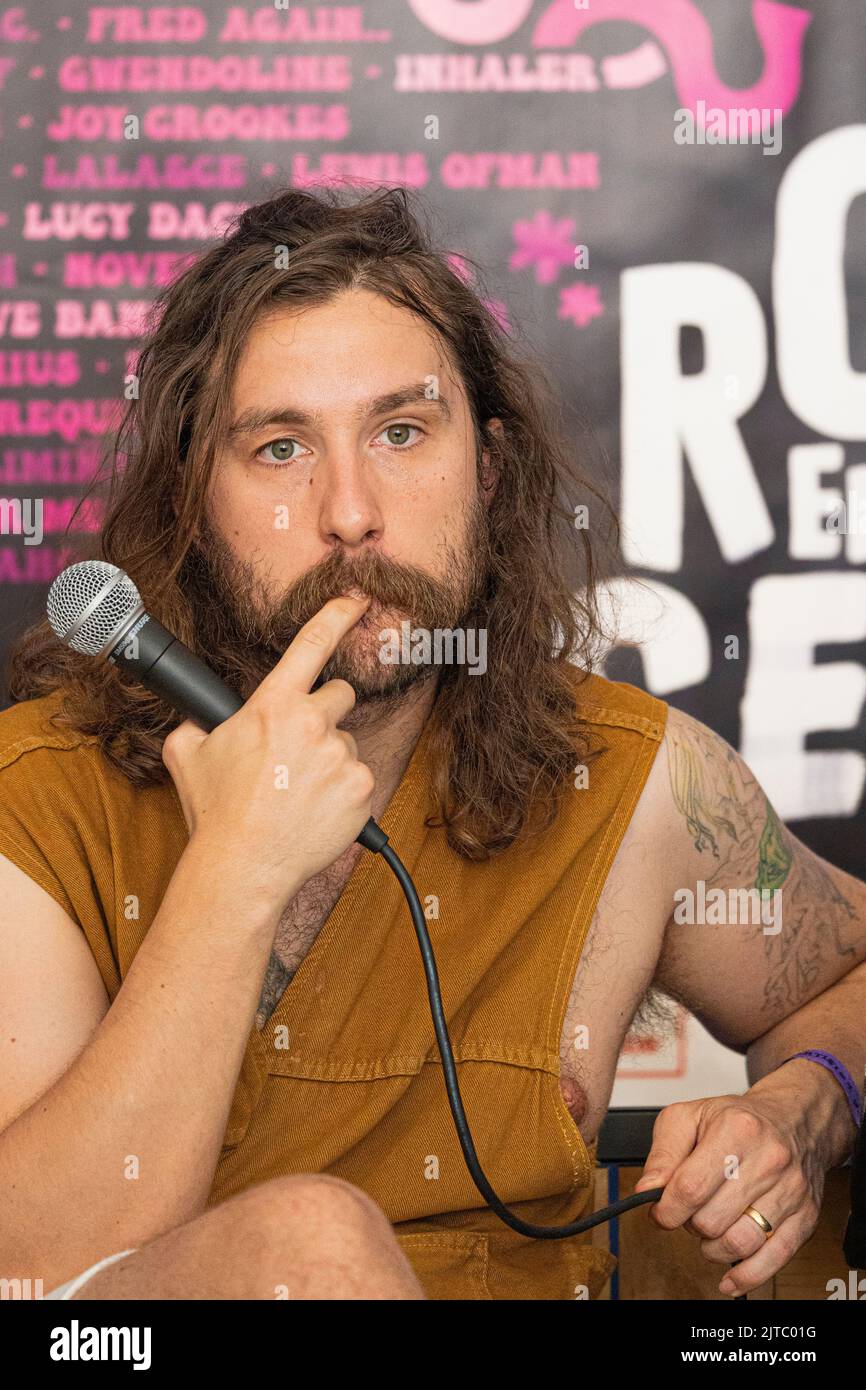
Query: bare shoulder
<point x="711" y="787"/>
<point x="52" y="996"/>
<point x="712" y="816"/>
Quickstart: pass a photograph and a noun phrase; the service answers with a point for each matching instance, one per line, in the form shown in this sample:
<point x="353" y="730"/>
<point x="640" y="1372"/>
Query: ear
<point x="489" y="471"/>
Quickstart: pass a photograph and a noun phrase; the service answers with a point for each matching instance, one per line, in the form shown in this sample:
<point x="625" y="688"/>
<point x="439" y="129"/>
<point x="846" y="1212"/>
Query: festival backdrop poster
<point x="666" y="197"/>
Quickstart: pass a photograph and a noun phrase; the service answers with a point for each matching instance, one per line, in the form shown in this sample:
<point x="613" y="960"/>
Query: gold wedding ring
<point x="758" y="1219"/>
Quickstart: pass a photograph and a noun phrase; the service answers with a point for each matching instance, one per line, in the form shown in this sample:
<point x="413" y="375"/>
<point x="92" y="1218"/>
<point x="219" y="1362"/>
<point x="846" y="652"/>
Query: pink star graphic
<point x="64" y="23"/>
<point x="18" y="170"/>
<point x="37" y="72"/>
<point x="101" y="365"/>
<point x="545" y="243"/>
<point x="268" y="169"/>
<point x="40" y="268"/>
<point x="24" y="122"/>
<point x="580" y="302"/>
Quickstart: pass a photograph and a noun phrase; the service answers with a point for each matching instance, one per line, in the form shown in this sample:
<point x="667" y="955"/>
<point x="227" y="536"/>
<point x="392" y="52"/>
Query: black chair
<point x="625" y="1137"/>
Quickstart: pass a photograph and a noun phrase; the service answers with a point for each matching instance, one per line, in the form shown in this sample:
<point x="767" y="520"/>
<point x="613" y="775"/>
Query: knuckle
<point x="364" y="780"/>
<point x="709" y="1226"/>
<point x="263" y="704"/>
<point x="749" y="1125"/>
<point x="687" y="1190"/>
<point x="776" y="1155"/>
<point x="172" y="745"/>
<point x="314" y="723"/>
<point x="315" y="634"/>
<point x="672" y="1111"/>
<point x="343" y="604"/>
<point x="737" y="1244"/>
<point x="667" y="1122"/>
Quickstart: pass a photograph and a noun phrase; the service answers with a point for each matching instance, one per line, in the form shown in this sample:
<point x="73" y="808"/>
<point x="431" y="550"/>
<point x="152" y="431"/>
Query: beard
<point x="244" y="630"/>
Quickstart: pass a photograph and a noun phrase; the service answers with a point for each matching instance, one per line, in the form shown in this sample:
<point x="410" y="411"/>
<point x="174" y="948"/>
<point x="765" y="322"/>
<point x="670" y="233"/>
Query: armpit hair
<point x="656" y="1013"/>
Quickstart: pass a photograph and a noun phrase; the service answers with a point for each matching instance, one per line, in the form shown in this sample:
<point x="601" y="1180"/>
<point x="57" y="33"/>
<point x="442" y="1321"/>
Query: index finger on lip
<point x="303" y="659"/>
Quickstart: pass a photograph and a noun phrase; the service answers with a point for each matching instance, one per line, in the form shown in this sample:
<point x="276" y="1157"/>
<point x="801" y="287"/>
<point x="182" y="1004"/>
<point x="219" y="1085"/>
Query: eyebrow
<point x="249" y="421"/>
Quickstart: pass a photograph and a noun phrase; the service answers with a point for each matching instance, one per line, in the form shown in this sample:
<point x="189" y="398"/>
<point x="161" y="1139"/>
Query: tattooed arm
<point x="760" y="925"/>
<point x="764" y="945"/>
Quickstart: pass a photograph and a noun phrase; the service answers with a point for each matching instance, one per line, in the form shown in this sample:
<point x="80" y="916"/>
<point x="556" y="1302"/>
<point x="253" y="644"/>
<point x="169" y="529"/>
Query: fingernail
<point x="648" y="1180"/>
<point x="727" y="1286"/>
<point x="356" y="593"/>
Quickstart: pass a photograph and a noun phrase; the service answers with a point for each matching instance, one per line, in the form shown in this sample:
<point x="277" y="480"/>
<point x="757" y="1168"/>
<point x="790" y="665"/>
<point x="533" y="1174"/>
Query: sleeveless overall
<point x="346" y="1077"/>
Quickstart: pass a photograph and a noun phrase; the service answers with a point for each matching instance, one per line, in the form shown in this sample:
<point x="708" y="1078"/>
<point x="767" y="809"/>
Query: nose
<point x="349" y="509"/>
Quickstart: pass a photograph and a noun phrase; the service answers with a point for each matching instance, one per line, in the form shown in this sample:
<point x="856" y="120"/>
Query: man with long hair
<point x="342" y="486"/>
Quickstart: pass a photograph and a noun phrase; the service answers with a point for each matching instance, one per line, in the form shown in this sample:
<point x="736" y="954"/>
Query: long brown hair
<point x="502" y="745"/>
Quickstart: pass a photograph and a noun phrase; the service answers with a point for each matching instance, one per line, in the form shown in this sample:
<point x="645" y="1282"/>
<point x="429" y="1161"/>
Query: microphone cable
<point x="525" y="1228"/>
<point x="375" y="839"/>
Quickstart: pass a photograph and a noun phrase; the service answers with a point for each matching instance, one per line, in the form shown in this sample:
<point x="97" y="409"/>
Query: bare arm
<point x="833" y="1021"/>
<point x="740" y="968"/>
<point x="771" y="979"/>
<point x="152" y="1080"/>
<point x="120" y="1144"/>
<point x="764" y="944"/>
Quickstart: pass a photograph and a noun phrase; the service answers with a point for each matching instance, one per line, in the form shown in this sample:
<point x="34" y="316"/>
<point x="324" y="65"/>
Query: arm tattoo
<point x="729" y="817"/>
<point x="774" y="853"/>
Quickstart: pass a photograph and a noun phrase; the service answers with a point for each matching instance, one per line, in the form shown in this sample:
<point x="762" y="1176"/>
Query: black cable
<point x="452" y="1088"/>
<point x="526" y="1228"/>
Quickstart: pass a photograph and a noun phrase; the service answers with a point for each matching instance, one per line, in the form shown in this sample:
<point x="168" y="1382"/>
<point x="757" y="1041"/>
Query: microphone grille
<point x="89" y="602"/>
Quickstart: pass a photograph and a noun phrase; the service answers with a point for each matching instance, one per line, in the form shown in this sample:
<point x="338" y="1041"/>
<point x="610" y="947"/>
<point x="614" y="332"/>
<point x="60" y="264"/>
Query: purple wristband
<point x="841" y="1073"/>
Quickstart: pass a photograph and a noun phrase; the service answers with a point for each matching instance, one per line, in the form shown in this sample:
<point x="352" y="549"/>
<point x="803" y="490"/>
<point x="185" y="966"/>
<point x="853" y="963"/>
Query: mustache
<point x="243" y="629"/>
<point x="233" y="600"/>
<point x="390" y="584"/>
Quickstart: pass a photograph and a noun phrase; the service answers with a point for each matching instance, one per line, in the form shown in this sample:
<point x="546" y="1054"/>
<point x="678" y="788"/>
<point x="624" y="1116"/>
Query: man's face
<point x="324" y="485"/>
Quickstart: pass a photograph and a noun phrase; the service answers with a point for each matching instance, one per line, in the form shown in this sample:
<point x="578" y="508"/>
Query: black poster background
<point x="658" y="203"/>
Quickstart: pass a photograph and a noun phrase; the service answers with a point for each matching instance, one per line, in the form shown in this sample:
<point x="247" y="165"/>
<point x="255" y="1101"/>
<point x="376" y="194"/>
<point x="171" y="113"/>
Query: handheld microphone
<point x="95" y="608"/>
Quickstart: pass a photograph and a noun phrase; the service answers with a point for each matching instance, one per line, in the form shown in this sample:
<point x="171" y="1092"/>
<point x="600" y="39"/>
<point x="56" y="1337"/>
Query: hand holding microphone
<point x="276" y="791"/>
<point x="95" y="608"/>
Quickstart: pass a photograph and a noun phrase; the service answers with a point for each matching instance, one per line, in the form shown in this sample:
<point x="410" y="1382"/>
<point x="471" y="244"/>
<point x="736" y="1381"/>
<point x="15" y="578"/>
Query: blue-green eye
<point x="402" y="444"/>
<point x="281" y="449"/>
